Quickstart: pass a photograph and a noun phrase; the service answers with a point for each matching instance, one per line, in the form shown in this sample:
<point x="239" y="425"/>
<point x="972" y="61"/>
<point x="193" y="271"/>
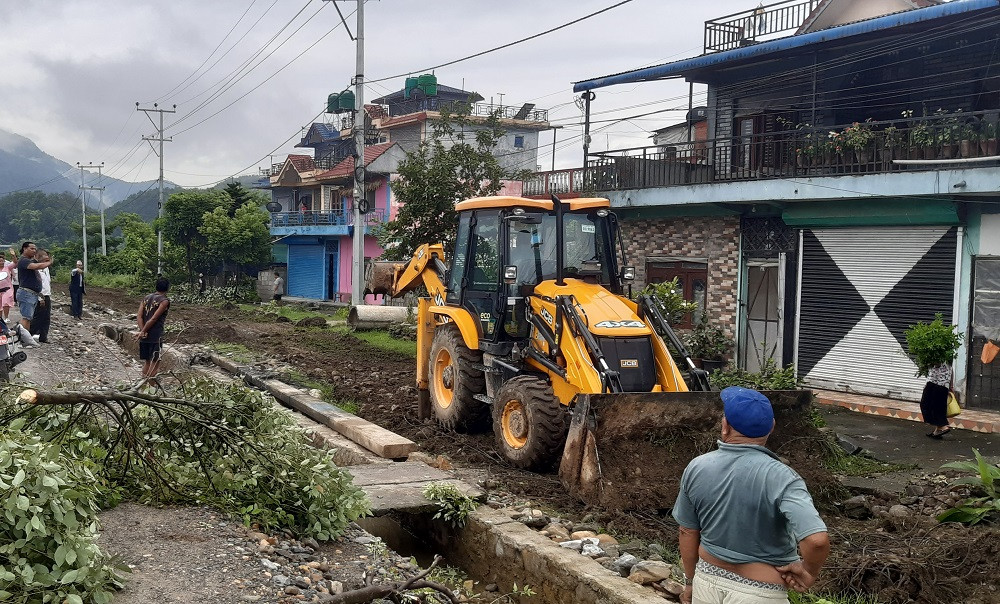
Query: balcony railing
<point x="865" y="148"/>
<point x="325" y="218"/>
<point x="525" y="112"/>
<point x="756" y="25"/>
<point x="559" y="182"/>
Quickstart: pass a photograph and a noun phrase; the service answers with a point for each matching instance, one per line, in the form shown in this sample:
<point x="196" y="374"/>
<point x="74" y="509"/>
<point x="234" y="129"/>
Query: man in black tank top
<point x="151" y="317"/>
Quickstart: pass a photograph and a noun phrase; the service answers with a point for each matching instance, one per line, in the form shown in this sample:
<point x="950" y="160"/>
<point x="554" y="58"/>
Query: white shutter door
<point x="861" y="289"/>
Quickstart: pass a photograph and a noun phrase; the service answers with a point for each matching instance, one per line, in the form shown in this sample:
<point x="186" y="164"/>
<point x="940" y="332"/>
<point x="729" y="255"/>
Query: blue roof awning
<point x="679" y="68"/>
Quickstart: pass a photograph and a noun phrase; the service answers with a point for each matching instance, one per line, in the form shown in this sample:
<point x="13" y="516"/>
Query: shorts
<point x="149" y="351"/>
<point x="276" y="297"/>
<point x="27" y="300"/>
<point x="713" y="585"/>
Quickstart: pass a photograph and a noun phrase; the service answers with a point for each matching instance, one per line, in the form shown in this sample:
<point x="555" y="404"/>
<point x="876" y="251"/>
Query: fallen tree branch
<point x="374" y="592"/>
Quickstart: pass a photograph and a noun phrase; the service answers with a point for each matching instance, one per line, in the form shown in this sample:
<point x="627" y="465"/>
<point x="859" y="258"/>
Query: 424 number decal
<point x="617" y="324"/>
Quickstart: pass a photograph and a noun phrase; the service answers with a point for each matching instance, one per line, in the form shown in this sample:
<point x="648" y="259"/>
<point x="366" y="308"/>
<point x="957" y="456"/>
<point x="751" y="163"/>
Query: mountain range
<point x="25" y="167"/>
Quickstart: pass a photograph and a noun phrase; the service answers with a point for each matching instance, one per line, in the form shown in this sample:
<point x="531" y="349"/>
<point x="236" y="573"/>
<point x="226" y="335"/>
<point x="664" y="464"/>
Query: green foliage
<point x="708" y="341"/>
<point x="669" y="296"/>
<point x="932" y="344"/>
<point x="975" y="509"/>
<point x="49" y="548"/>
<point x="385" y="341"/>
<point x="242" y="239"/>
<point x="454" y="505"/>
<point x="245" y="293"/>
<point x="445" y="169"/>
<point x="49" y="219"/>
<point x="770" y="377"/>
<point x="183" y="218"/>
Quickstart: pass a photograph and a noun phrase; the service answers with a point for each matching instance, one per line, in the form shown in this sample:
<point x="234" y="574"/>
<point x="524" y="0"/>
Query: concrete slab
<point x="399" y="486"/>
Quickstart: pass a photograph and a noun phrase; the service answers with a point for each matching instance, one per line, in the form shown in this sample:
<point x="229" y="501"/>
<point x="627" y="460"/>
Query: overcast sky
<point x="73" y="70"/>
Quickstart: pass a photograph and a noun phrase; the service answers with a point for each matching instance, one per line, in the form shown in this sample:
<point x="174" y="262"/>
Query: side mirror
<point x="510" y="274"/>
<point x="628" y="273"/>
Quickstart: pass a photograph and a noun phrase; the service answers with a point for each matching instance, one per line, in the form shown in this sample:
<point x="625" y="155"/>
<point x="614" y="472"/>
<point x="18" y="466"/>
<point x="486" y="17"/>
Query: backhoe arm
<point x="426" y="268"/>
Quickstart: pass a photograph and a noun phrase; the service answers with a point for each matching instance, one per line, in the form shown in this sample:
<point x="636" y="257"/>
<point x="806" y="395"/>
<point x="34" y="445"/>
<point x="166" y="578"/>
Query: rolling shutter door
<point x="305" y="271"/>
<point x="861" y="288"/>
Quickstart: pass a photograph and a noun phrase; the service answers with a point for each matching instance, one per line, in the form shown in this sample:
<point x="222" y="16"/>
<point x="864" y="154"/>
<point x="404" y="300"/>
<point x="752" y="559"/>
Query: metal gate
<point x="763" y="337"/>
<point x="983" y="387"/>
<point x="305" y="271"/>
<point x="859" y="289"/>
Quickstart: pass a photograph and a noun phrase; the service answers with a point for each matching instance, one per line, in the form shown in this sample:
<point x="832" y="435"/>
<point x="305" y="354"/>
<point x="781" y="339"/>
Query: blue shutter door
<point x="305" y="271"/>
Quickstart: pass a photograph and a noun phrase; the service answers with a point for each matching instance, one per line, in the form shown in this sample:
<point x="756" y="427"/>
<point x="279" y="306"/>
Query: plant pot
<point x="991" y="147"/>
<point x="929" y="152"/>
<point x="968" y="148"/>
<point x="863" y="155"/>
<point x="949" y="151"/>
<point x="711" y="365"/>
<point x="916" y="153"/>
<point x="802" y="161"/>
<point x="984" y="147"/>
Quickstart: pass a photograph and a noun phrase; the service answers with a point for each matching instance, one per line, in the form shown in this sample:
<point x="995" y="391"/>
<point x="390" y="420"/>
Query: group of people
<point x="27" y="283"/>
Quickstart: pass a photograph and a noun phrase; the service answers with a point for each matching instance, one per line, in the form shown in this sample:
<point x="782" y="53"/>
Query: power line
<point x="503" y="46"/>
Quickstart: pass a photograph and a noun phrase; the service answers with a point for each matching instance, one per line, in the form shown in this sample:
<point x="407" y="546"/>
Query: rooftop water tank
<point x="411" y="83"/>
<point x="331" y="102"/>
<point x="428" y="83"/>
<point x="346" y="101"/>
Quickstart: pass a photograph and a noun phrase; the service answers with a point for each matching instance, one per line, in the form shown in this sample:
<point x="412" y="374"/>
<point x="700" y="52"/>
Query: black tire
<point x="454" y="382"/>
<point x="529" y="423"/>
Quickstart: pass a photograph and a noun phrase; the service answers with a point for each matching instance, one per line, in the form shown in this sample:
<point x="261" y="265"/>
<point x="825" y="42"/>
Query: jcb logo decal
<point x="630" y="363"/>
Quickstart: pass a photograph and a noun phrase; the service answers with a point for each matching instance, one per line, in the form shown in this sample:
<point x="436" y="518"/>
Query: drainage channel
<point x="492" y="548"/>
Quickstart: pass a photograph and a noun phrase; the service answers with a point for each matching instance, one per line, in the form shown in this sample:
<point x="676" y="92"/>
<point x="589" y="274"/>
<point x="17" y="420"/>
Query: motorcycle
<point x="11" y="342"/>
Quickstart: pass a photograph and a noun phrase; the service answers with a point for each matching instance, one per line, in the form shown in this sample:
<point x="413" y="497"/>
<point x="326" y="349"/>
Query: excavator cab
<point x="530" y="317"/>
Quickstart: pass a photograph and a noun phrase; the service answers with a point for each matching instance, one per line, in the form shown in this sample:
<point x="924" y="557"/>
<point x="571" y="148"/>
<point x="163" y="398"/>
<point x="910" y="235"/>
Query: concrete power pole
<point x="83" y="204"/>
<point x="161" y="140"/>
<point x="360" y="194"/>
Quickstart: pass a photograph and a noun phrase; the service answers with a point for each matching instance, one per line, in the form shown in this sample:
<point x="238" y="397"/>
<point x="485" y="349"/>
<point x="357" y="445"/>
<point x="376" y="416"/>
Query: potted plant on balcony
<point x="709" y="344"/>
<point x="988" y="138"/>
<point x="892" y="145"/>
<point x="834" y="148"/>
<point x="968" y="144"/>
<point x="858" y="137"/>
<point x="949" y="133"/>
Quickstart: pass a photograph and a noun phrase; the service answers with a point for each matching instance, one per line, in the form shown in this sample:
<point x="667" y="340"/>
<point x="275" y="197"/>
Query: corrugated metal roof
<point x="346" y="167"/>
<point x="679" y="68"/>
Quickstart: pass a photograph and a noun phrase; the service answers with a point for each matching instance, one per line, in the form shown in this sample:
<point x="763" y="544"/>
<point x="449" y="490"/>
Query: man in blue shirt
<point x="745" y="517"/>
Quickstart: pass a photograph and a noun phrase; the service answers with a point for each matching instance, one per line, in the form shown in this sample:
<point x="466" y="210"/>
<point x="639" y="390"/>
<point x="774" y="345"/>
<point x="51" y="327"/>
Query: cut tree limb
<point x="374" y="592"/>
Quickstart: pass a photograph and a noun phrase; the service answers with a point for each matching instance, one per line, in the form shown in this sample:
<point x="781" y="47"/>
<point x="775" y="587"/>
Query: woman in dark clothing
<point x="934" y="401"/>
<point x="76" y="291"/>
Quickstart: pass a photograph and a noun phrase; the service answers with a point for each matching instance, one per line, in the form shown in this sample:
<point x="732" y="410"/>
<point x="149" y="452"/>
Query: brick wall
<point x="715" y="240"/>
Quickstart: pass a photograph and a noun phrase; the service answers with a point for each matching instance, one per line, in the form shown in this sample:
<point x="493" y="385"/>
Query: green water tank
<point x="411" y="83"/>
<point x="331" y="102"/>
<point x="346" y="100"/>
<point x="428" y="83"/>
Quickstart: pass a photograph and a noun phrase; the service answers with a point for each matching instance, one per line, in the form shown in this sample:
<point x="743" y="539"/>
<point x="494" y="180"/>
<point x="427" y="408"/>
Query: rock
<point x="310" y="542"/>
<point x="279" y="580"/>
<point x="672" y="587"/>
<point x="656" y="548"/>
<point x="624" y="564"/>
<point x="584" y="526"/>
<point x="269" y="565"/>
<point x="647" y="572"/>
<point x="574" y="544"/>
<point x="315" y="393"/>
<point x="282" y="319"/>
<point x="557" y="531"/>
<point x="291" y="590"/>
<point x="533" y="522"/>
<point x="592" y="551"/>
<point x="336" y="587"/>
<point x="582" y="535"/>
<point x="857" y="508"/>
<point x="849" y="446"/>
<point x="606" y="539"/>
<point x="915" y="490"/>
<point x="899" y="511"/>
<point x="611" y="550"/>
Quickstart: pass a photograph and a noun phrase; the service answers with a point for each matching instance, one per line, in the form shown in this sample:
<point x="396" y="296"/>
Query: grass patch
<point x="110" y="281"/>
<point x="327" y="392"/>
<point x="839" y="462"/>
<point x="290" y="312"/>
<point x="383" y="340"/>
<point x="237" y="352"/>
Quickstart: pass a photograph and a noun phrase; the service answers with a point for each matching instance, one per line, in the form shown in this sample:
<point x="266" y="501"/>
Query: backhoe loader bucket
<point x="380" y="275"/>
<point x="628" y="451"/>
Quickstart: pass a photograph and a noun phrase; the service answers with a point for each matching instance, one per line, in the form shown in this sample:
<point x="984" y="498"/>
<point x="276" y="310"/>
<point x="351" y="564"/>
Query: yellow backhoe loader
<point x="527" y="320"/>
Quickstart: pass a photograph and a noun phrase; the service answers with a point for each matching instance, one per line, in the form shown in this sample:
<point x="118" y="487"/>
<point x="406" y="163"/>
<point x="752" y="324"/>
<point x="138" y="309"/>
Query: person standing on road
<point x="29" y="294"/>
<point x="43" y="313"/>
<point x="934" y="400"/>
<point x="13" y="277"/>
<point x="76" y="291"/>
<point x="279" y="288"/>
<point x="151" y="317"/>
<point x="745" y="517"/>
<point x="7" y="288"/>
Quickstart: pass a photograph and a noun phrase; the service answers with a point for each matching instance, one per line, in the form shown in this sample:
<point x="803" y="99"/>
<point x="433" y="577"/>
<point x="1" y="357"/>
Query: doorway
<point x="332" y="270"/>
<point x="764" y="313"/>
<point x="983" y="386"/>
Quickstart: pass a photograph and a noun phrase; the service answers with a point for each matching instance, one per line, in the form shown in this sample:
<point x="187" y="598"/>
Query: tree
<point x="243" y="239"/>
<point x="183" y="216"/>
<point x="240" y="195"/>
<point x="445" y="169"/>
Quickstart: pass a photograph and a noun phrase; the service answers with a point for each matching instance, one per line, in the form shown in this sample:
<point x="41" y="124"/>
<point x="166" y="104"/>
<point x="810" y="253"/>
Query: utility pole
<point x="83" y="203"/>
<point x="360" y="195"/>
<point x="159" y="205"/>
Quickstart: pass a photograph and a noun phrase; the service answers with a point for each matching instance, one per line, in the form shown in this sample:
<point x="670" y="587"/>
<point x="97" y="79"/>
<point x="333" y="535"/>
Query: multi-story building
<point x="848" y="187"/>
<point x="312" y="196"/>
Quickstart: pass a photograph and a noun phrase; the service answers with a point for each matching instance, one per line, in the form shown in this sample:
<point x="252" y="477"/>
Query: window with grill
<point x="692" y="282"/>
